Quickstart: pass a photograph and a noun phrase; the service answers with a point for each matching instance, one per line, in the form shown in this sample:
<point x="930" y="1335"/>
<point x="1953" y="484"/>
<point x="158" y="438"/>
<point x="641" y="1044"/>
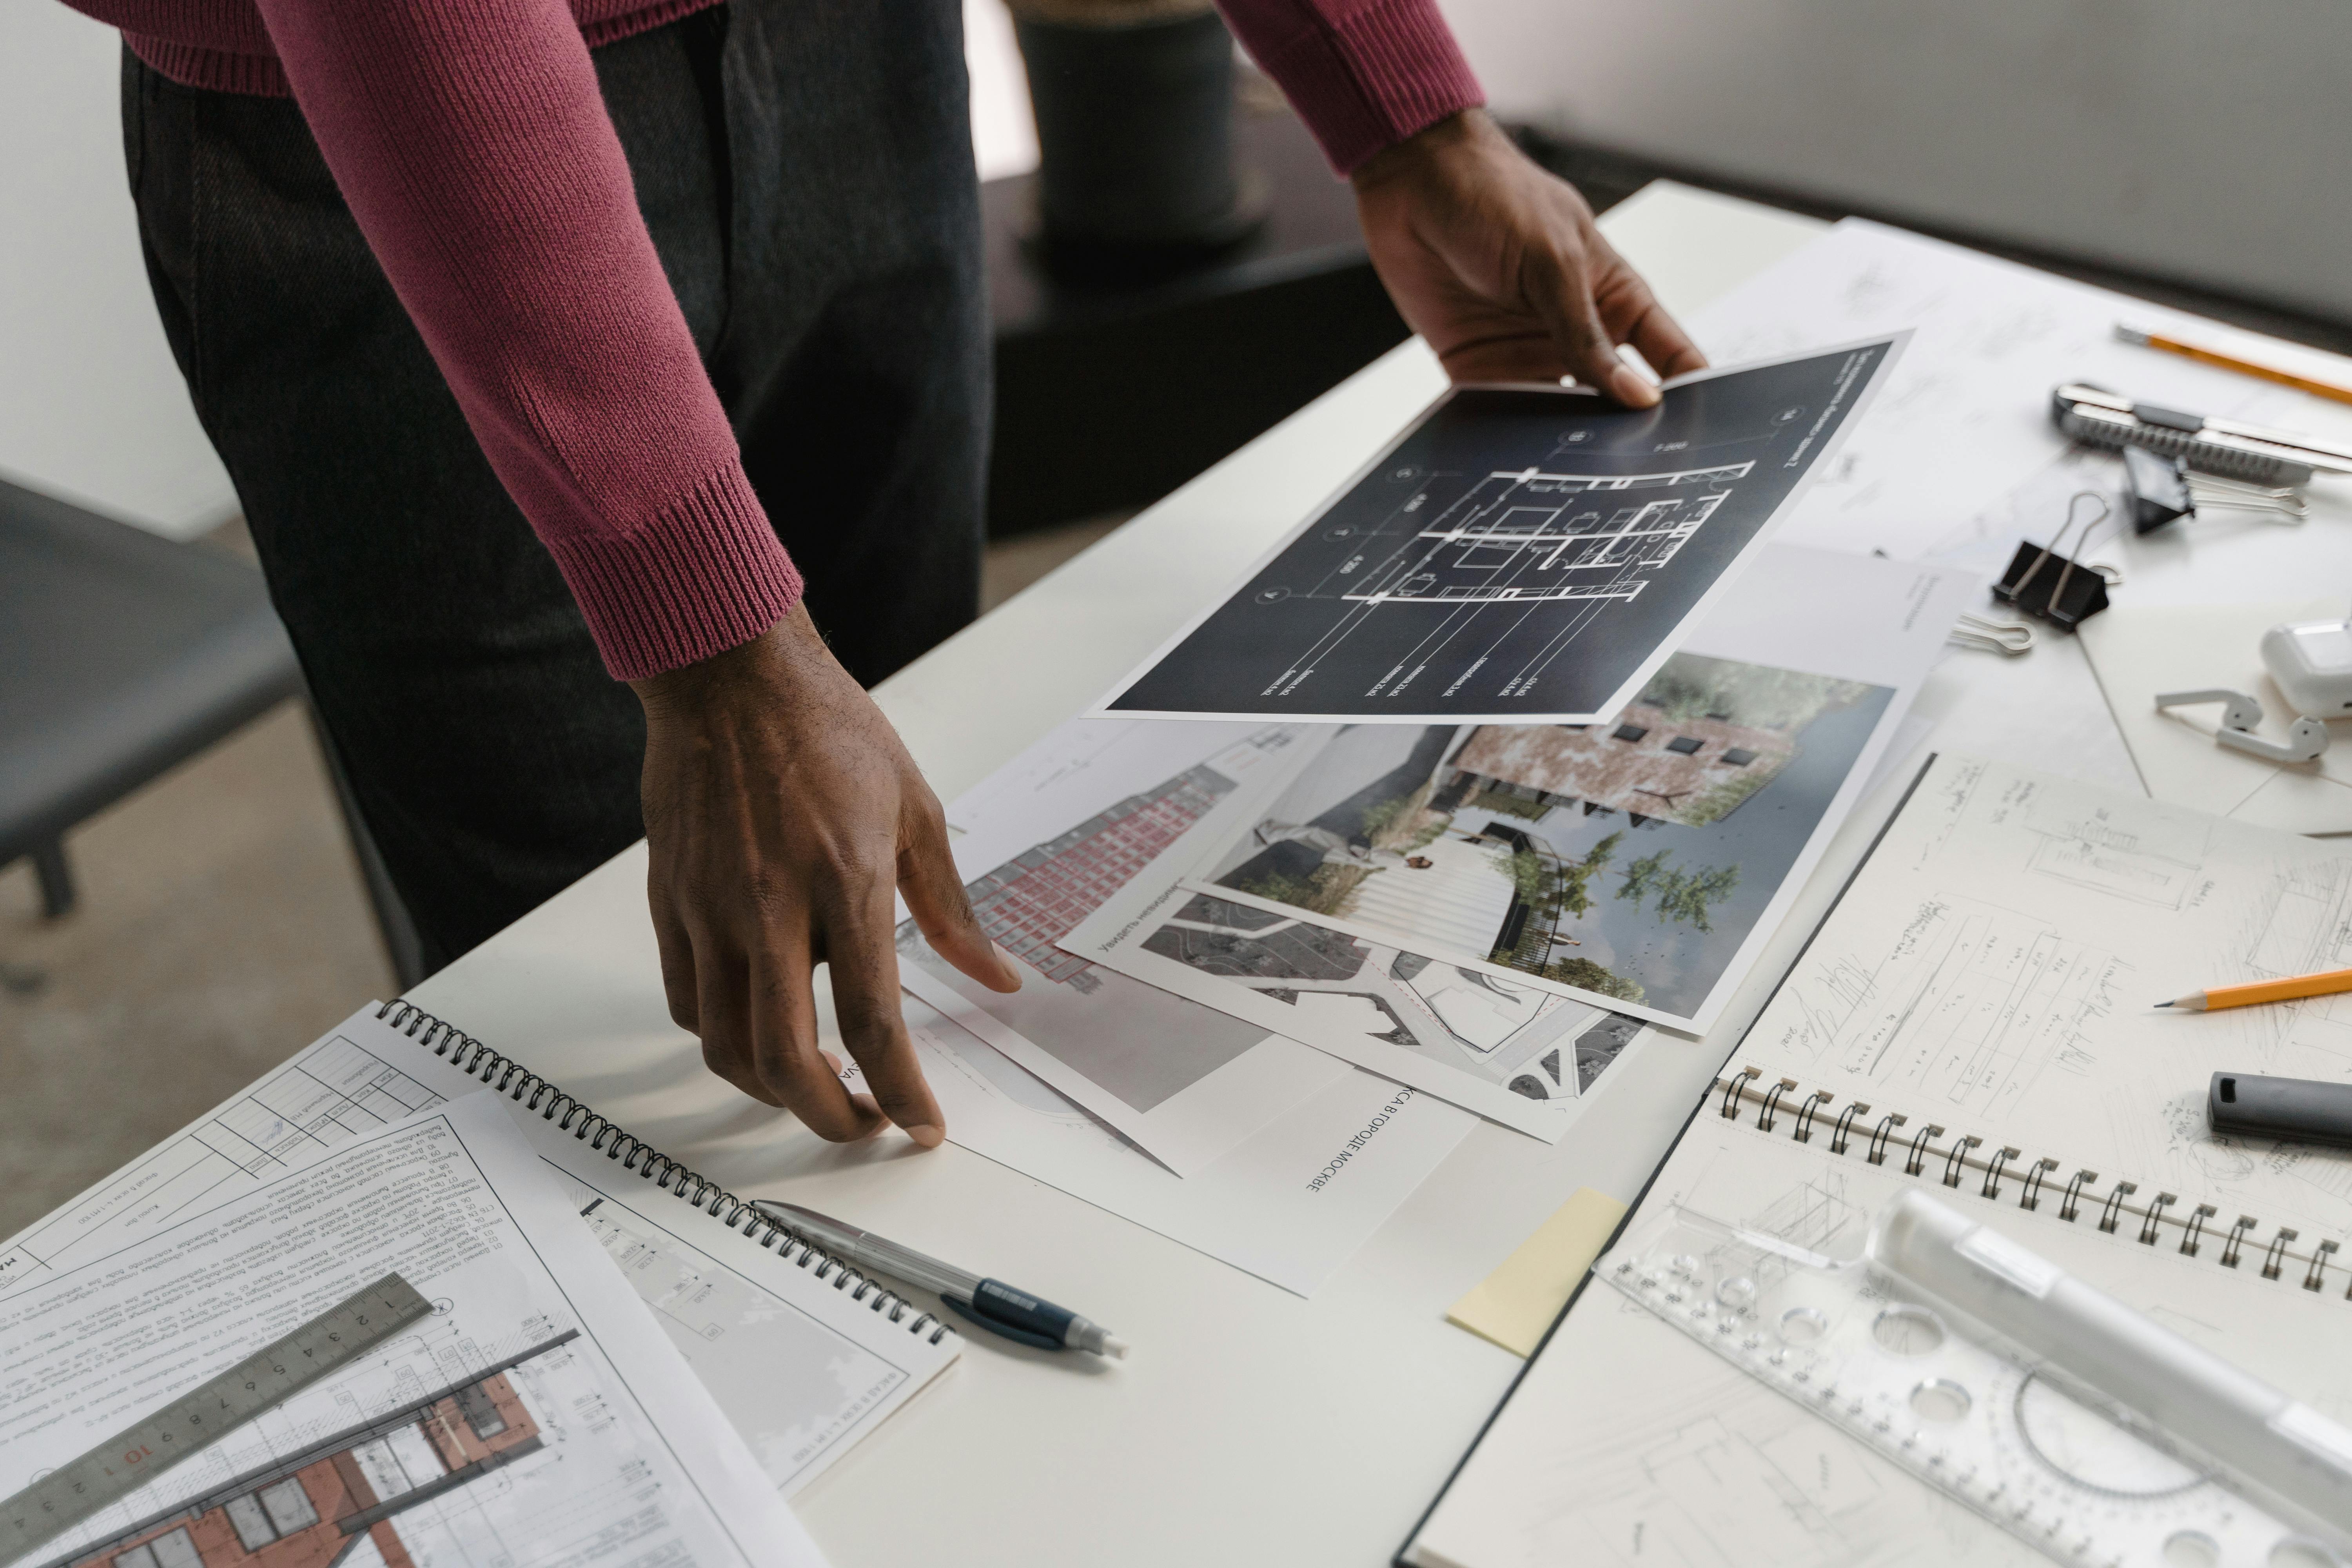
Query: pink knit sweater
<point x="470" y="140"/>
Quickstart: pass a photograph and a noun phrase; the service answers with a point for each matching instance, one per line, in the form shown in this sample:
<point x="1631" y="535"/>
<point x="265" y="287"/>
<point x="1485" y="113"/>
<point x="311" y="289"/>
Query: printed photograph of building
<point x="1628" y="858"/>
<point x="343" y="1494"/>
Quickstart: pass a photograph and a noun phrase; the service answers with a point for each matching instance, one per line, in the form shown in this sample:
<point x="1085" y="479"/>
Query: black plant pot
<point x="1135" y="134"/>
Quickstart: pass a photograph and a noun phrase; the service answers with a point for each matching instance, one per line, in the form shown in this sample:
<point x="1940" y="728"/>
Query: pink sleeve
<point x="1363" y="74"/>
<point x="470" y="139"/>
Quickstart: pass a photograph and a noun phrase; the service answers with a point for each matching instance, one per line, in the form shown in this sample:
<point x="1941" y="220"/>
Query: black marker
<point x="2298" y="1108"/>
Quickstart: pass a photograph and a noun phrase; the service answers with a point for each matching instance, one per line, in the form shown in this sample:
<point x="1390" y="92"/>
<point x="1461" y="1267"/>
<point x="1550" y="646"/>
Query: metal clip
<point x="2055" y="604"/>
<point x="2007" y="638"/>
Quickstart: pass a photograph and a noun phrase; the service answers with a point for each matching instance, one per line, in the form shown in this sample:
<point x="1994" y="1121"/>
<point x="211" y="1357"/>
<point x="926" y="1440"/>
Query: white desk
<point x="1250" y="1426"/>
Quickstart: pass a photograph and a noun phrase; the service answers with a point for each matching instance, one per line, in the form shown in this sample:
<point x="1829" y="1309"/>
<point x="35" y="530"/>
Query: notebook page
<point x="1988" y="975"/>
<point x="534" y="1418"/>
<point x="799" y="1369"/>
<point x="1994" y="969"/>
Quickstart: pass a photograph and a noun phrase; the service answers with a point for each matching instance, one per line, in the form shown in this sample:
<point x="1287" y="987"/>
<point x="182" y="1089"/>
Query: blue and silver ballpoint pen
<point x="991" y="1304"/>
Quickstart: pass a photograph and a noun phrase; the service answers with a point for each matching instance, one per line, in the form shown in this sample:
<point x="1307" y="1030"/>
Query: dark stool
<point x="123" y="655"/>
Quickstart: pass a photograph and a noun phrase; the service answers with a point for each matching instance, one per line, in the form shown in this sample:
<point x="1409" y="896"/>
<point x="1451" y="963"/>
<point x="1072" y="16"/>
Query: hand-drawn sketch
<point x="1965" y="1007"/>
<point x="1519" y="555"/>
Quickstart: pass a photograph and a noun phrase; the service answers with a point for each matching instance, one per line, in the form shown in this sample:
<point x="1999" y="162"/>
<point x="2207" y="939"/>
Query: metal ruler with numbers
<point x="131" y="1458"/>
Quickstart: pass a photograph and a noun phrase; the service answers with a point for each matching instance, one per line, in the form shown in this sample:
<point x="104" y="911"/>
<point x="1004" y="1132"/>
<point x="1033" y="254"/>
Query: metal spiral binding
<point x="2197" y="1222"/>
<point x="608" y="1138"/>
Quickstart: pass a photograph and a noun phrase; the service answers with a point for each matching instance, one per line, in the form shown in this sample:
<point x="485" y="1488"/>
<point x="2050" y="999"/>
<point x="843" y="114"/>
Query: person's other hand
<point x="781" y="813"/>
<point x="1499" y="266"/>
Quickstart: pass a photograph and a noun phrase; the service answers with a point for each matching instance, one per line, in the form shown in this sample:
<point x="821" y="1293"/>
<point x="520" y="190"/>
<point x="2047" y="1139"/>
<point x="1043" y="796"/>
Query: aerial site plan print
<point x="1522" y="555"/>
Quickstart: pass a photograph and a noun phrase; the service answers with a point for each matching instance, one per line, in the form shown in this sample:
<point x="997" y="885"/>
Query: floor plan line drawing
<point x="314" y="1103"/>
<point x="1509" y="525"/>
<point x="1517" y="541"/>
<point x="1516" y="553"/>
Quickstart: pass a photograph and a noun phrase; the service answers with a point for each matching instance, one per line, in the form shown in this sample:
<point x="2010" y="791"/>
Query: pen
<point x="2219" y="996"/>
<point x="2317" y="388"/>
<point x="990" y="1304"/>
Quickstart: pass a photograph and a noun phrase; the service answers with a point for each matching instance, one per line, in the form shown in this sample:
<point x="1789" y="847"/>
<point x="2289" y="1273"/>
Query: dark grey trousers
<point x="806" y="174"/>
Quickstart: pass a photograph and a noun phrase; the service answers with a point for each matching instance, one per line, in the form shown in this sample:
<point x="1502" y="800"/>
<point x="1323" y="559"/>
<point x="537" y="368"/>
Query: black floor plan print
<point x="1520" y="555"/>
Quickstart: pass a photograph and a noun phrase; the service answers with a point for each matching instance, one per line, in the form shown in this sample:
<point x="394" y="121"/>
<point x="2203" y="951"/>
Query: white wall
<point x="91" y="406"/>
<point x="2206" y="140"/>
<point x="2203" y="139"/>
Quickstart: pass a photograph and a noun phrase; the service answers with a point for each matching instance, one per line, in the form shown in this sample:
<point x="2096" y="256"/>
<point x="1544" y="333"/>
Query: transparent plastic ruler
<point x="185" y="1428"/>
<point x="1964" y="1415"/>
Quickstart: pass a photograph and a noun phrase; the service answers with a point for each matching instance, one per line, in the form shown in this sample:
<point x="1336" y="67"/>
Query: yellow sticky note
<point x="1515" y="1304"/>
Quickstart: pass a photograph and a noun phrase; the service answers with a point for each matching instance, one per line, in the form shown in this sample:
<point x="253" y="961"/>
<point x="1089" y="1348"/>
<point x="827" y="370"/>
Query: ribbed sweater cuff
<point x="215" y="71"/>
<point x="706" y="575"/>
<point x="1372" y="80"/>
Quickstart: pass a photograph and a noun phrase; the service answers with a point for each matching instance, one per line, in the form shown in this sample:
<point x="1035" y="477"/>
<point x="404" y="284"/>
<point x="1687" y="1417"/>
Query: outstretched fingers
<point x="792" y="1066"/>
<point x="679" y="987"/>
<point x="864" y="960"/>
<point x="935" y="896"/>
<point x="1633" y="316"/>
<point x="1560" y="287"/>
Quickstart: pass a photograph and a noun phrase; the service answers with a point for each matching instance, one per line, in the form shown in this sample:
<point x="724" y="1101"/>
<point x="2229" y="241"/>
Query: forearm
<point x="470" y="141"/>
<point x="1363" y="74"/>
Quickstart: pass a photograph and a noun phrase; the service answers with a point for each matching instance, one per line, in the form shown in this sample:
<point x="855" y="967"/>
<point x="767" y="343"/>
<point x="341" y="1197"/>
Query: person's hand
<point x="1497" y="264"/>
<point x="781" y="812"/>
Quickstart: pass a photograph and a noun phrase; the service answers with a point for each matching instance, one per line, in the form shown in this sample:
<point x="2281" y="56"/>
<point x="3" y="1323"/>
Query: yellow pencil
<point x="2217" y="996"/>
<point x="2147" y="339"/>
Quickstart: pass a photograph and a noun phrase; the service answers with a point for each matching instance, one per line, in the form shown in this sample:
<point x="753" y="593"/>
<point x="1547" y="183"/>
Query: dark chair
<point x="123" y="655"/>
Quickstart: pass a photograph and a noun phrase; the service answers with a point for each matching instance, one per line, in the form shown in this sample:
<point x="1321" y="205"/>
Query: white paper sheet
<point x="1827" y="649"/>
<point x="1963" y="418"/>
<point x="1184" y="1082"/>
<point x="2138" y="651"/>
<point x="801" y="1372"/>
<point x="1290" y="1203"/>
<point x="553" y="1425"/>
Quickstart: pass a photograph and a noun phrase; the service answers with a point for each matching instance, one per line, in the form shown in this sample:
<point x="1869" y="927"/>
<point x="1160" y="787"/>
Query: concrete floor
<point x="222" y="928"/>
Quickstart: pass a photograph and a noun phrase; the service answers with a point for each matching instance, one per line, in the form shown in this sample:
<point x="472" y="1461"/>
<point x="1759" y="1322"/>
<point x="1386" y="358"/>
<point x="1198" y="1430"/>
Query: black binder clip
<point x="2156" y="490"/>
<point x="2042" y="583"/>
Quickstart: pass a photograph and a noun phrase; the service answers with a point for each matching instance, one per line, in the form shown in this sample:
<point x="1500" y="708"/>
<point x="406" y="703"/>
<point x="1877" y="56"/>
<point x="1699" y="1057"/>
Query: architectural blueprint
<point x="1520" y="555"/>
<point x="537" y="1419"/>
<point x="801" y="1372"/>
<point x="1976" y="1016"/>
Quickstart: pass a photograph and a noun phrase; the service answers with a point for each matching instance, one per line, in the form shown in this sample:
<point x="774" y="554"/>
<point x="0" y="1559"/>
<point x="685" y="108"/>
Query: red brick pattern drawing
<point x="1031" y="902"/>
<point x="313" y="1508"/>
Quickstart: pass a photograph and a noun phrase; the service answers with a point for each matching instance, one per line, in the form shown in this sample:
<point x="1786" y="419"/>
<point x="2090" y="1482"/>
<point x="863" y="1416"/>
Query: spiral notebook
<point x="803" y="1353"/>
<point x="1974" y="1017"/>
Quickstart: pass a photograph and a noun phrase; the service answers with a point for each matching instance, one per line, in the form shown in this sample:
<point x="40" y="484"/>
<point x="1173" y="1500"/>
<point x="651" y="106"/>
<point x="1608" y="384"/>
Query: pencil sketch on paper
<point x="2156" y="862"/>
<point x="1967" y="1007"/>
